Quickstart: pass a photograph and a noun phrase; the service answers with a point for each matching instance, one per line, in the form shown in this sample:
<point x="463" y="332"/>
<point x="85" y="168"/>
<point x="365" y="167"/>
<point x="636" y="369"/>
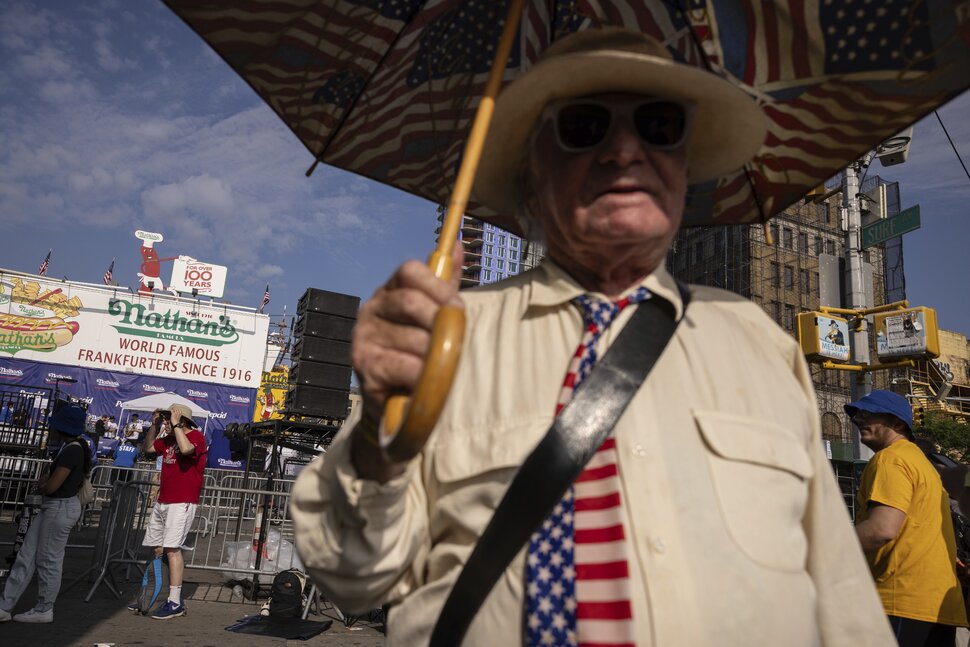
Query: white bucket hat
<point x="728" y="127"/>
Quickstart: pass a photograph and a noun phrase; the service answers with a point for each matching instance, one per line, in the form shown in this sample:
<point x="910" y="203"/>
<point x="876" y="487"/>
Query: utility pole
<point x="861" y="383"/>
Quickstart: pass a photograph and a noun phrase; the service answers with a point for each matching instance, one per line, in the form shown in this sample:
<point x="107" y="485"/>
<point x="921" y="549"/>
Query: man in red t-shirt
<point x="182" y="448"/>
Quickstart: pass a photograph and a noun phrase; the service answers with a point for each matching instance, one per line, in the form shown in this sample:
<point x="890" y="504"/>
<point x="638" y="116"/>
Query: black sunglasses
<point x="582" y="124"/>
<point x="861" y="417"/>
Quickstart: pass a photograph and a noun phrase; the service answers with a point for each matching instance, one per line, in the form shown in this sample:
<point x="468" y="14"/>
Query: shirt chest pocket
<point x="761" y="474"/>
<point x="486" y="457"/>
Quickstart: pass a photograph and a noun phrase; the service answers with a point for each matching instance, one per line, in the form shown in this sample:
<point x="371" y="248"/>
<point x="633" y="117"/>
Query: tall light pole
<point x="861" y="383"/>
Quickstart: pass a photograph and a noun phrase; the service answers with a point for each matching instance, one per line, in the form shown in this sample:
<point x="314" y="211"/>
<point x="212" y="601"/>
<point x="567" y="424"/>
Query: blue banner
<point x="105" y="391"/>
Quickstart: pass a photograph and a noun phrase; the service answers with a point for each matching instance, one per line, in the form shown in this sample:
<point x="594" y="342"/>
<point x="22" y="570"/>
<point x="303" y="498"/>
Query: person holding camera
<point x="182" y="448"/>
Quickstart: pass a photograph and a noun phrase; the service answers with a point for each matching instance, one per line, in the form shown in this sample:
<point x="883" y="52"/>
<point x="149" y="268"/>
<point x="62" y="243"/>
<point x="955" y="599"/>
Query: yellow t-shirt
<point x="914" y="573"/>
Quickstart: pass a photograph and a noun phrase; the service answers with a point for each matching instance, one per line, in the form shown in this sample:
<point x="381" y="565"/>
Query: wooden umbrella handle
<point x="408" y="422"/>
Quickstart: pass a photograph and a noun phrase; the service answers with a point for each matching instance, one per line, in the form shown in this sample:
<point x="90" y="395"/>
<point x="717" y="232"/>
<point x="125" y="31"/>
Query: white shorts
<point x="169" y="524"/>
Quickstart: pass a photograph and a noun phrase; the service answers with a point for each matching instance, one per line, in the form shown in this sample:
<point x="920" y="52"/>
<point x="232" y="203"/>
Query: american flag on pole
<point x="42" y="270"/>
<point x="265" y="301"/>
<point x="109" y="274"/>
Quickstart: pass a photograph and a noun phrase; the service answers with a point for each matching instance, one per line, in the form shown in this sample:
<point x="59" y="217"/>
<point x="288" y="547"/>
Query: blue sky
<point x="116" y="117"/>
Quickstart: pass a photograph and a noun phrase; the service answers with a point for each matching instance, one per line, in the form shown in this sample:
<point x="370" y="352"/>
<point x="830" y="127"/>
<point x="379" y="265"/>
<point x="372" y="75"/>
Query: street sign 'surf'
<point x="881" y="231"/>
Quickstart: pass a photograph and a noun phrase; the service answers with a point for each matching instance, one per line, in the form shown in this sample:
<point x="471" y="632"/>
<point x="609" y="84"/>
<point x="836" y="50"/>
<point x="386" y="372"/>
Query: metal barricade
<point x="17" y="476"/>
<point x="221" y="539"/>
<point x="225" y="501"/>
<point x="231" y="549"/>
<point x="23" y="417"/>
<point x="123" y="521"/>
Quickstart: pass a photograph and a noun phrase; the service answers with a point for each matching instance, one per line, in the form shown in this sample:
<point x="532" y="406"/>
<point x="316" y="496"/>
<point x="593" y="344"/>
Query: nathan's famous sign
<point x="86" y="325"/>
<point x="170" y="325"/>
<point x="35" y="318"/>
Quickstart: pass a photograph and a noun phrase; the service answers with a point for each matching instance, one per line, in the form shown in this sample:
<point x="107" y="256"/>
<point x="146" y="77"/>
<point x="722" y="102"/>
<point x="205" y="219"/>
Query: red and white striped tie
<point x="577" y="572"/>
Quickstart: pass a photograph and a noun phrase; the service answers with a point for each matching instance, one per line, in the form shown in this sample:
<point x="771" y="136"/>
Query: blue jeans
<point x="43" y="548"/>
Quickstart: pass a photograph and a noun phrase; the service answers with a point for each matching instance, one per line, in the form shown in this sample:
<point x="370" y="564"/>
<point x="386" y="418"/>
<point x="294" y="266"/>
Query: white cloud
<point x="44" y="62"/>
<point x="100" y="179"/>
<point x="190" y="152"/>
<point x="107" y="59"/>
<point x="196" y="196"/>
<point x="67" y="92"/>
<point x="150" y="129"/>
<point x="41" y="159"/>
<point x="268" y="271"/>
<point x="21" y="27"/>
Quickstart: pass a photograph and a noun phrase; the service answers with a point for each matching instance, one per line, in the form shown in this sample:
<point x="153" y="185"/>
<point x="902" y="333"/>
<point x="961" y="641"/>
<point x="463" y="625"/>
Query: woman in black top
<point x="43" y="547"/>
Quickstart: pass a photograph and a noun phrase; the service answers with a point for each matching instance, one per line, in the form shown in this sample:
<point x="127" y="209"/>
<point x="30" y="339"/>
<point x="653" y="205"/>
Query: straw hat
<point x="728" y="126"/>
<point x="180" y="411"/>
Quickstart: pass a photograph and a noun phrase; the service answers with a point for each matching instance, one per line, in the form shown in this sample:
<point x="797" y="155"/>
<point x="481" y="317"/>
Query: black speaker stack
<point x="320" y="371"/>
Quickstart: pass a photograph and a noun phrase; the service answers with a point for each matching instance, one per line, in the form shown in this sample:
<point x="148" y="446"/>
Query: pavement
<point x="211" y="607"/>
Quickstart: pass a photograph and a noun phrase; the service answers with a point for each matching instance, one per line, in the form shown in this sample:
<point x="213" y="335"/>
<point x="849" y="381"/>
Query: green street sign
<point x="879" y="232"/>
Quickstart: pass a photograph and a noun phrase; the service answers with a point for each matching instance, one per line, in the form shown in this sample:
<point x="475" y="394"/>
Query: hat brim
<point x="184" y="415"/>
<point x="190" y="422"/>
<point x="854" y="407"/>
<point x="728" y="126"/>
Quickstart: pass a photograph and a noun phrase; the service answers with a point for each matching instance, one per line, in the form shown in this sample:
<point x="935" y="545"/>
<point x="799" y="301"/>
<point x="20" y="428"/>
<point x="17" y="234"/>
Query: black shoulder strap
<point x="578" y="431"/>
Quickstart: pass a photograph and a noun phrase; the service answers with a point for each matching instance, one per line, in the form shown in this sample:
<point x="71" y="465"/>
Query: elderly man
<point x="710" y="516"/>
<point x="904" y="526"/>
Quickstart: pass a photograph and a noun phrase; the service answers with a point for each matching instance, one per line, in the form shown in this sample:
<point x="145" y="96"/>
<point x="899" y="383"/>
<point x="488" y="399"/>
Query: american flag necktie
<point x="577" y="574"/>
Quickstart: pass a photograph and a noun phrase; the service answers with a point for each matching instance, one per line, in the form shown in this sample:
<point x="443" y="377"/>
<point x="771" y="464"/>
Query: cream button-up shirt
<point x="738" y="533"/>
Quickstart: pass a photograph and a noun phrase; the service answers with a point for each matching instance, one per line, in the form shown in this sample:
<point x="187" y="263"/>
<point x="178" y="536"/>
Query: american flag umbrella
<point x="388" y="88"/>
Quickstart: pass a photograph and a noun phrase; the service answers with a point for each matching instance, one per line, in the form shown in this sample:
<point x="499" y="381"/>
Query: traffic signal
<point x="918" y="416"/>
<point x="815" y="195"/>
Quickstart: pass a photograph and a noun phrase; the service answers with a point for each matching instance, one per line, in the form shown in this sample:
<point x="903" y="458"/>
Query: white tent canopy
<point x="164" y="401"/>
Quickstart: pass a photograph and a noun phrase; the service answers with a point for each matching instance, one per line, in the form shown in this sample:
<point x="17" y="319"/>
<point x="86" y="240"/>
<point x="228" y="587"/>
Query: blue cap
<point x="68" y="420"/>
<point x="884" y="402"/>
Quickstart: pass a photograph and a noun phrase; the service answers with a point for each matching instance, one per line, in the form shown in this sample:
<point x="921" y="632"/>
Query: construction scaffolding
<point x="491" y="253"/>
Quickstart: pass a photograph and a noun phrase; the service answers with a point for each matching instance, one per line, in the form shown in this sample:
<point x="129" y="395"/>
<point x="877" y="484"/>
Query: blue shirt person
<point x="125" y="454"/>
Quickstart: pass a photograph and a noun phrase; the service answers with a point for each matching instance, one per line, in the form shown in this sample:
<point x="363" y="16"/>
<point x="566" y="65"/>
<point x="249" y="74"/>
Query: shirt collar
<point x="552" y="286"/>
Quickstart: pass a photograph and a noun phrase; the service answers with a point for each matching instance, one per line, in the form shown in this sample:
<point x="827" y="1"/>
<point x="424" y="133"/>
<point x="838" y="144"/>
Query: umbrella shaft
<point x="476" y="141"/>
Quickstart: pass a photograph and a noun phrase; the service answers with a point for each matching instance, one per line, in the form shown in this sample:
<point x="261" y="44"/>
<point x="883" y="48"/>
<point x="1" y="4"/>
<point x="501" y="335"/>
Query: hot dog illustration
<point x="45" y="334"/>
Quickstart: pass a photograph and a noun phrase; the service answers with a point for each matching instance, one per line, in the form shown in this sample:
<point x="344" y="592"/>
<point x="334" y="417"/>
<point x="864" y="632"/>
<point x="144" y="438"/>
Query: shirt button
<point x="658" y="545"/>
<point x="639" y="450"/>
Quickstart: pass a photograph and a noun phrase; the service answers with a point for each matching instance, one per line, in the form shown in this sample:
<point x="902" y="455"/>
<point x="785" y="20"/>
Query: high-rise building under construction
<point x="492" y="254"/>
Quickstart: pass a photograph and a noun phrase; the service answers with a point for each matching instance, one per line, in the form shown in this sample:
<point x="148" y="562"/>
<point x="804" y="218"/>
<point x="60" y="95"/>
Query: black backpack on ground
<point x="286" y="596"/>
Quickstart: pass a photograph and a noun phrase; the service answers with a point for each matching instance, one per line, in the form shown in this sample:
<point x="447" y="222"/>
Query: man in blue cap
<point x="904" y="526"/>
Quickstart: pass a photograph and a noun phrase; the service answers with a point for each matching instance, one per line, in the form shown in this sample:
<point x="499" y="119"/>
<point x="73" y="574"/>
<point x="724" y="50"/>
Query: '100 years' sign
<point x="84" y="325"/>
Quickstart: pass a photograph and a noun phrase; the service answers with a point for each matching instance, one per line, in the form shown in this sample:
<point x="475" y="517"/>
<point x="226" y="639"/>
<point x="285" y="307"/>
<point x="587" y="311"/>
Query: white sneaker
<point x="35" y="617"/>
<point x="5" y="616"/>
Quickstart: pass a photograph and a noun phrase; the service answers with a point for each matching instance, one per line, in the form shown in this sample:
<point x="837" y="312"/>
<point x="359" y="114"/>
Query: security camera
<point x="895" y="149"/>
